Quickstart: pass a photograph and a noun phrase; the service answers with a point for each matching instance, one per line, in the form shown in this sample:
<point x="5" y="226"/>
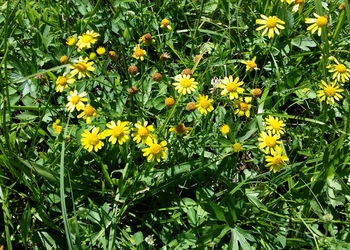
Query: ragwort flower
<point x="180" y="129"/>
<point x="101" y="50"/>
<point x="71" y="41"/>
<point x="82" y="68"/>
<point x="57" y="128"/>
<point x="329" y="92"/>
<point x="204" y="104"/>
<point x="270" y="24"/>
<point x="165" y="24"/>
<point x="118" y="132"/>
<point x="250" y="64"/>
<point x="317" y="23"/>
<point x="92" y="140"/>
<point x="88" y="112"/>
<point x="75" y="101"/>
<point x="277" y="161"/>
<point x="139" y="53"/>
<point x="87" y="39"/>
<point x="268" y="142"/>
<point x="232" y="87"/>
<point x="155" y="151"/>
<point x="275" y="125"/>
<point x="225" y="129"/>
<point x="143" y="133"/>
<point x="63" y="81"/>
<point x="243" y="106"/>
<point x="340" y="71"/>
<point x="185" y="84"/>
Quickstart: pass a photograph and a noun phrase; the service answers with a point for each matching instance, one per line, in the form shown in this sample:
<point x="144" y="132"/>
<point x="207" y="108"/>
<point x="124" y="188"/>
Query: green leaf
<point x="25" y="224"/>
<point x="304" y="43"/>
<point x="239" y="237"/>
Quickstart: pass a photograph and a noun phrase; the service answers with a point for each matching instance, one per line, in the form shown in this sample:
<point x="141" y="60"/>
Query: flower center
<point x="185" y="83"/>
<point x="63" y="81"/>
<point x="138" y="52"/>
<point x="93" y="139"/>
<point x="81" y="67"/>
<point x="231" y="87"/>
<point x="165" y="22"/>
<point x="277" y="161"/>
<point x="243" y="106"/>
<point x="87" y="38"/>
<point x="329" y="91"/>
<point x="251" y="64"/>
<point x="75" y="100"/>
<point x="340" y="68"/>
<point x="275" y="125"/>
<point x="143" y="132"/>
<point x="155" y="149"/>
<point x="270" y="141"/>
<point x="180" y="128"/>
<point x="271" y="23"/>
<point x="237" y="147"/>
<point x="89" y="110"/>
<point x="204" y="104"/>
<point x="298" y="1"/>
<point x="117" y="131"/>
<point x="321" y="21"/>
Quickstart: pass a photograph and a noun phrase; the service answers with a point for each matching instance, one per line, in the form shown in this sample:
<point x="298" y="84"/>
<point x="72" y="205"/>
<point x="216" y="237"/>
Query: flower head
<point x="243" y="106"/>
<point x="101" y="50"/>
<point x="118" y="132"/>
<point x="58" y="128"/>
<point x="268" y="141"/>
<point x="231" y="87"/>
<point x="82" y="68"/>
<point x="63" y="81"/>
<point x="92" y="140"/>
<point x="276" y="126"/>
<point x="87" y="39"/>
<point x="71" y="41"/>
<point x="250" y="64"/>
<point x="165" y="24"/>
<point x="225" y="129"/>
<point x="87" y="113"/>
<point x="317" y="23"/>
<point x="143" y="133"/>
<point x="146" y="39"/>
<point x="76" y="100"/>
<point x="185" y="84"/>
<point x="237" y="147"/>
<point x="180" y="129"/>
<point x="329" y="92"/>
<point x="139" y="53"/>
<point x="155" y="151"/>
<point x="299" y="4"/>
<point x="340" y="71"/>
<point x="270" y="24"/>
<point x="277" y="160"/>
<point x="204" y="104"/>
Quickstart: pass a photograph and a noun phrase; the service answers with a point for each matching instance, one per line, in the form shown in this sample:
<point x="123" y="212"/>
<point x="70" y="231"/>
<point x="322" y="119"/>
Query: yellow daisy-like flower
<point x="92" y="140"/>
<point x="58" y="128"/>
<point x="63" y="81"/>
<point x="165" y="24"/>
<point x="75" y="101"/>
<point x="143" y="133"/>
<point x="243" y="106"/>
<point x="71" y="41"/>
<point x="232" y="87"/>
<point x="101" y="50"/>
<point x="299" y="4"/>
<point x="118" y="132"/>
<point x="275" y="125"/>
<point x="269" y="142"/>
<point x="204" y="104"/>
<point x="250" y="64"/>
<point x="155" y="151"/>
<point x="237" y="147"/>
<point x="87" y="113"/>
<point x="82" y="68"/>
<point x="185" y="84"/>
<point x="317" y="23"/>
<point x="87" y="39"/>
<point x="329" y="92"/>
<point x="139" y="53"/>
<point x="277" y="161"/>
<point x="225" y="129"/>
<point x="285" y="1"/>
<point x="340" y="71"/>
<point x="180" y="129"/>
<point x="270" y="24"/>
<point x="147" y="39"/>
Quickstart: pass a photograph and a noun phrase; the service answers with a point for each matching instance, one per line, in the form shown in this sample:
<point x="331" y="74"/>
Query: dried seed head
<point x="191" y="106"/>
<point x="157" y="76"/>
<point x="132" y="70"/>
<point x="169" y="102"/>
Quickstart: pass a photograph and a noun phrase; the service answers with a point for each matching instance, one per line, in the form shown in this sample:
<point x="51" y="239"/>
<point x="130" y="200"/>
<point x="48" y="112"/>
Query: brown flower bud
<point x="41" y="78"/>
<point x="112" y="55"/>
<point x="198" y="58"/>
<point x="342" y="6"/>
<point x="191" y="106"/>
<point x="169" y="102"/>
<point x="165" y="56"/>
<point x="187" y="72"/>
<point x="256" y="92"/>
<point x="133" y="90"/>
<point x="157" y="76"/>
<point x="132" y="70"/>
<point x="63" y="59"/>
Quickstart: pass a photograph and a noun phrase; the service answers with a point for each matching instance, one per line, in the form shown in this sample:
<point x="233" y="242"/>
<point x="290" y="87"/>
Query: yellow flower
<point x="270" y="24"/>
<point x="231" y="86"/>
<point x="285" y="1"/>
<point x="92" y="140"/>
<point x="180" y="129"/>
<point x="276" y="126"/>
<point x="237" y="147"/>
<point x="118" y="132"/>
<point x="185" y="84"/>
<point x="87" y="113"/>
<point x="63" y="81"/>
<point x="155" y="151"/>
<point x="268" y="141"/>
<point x="139" y="53"/>
<point x="165" y="24"/>
<point x="87" y="39"/>
<point x="243" y="106"/>
<point x="225" y="129"/>
<point x="143" y="133"/>
<point x="82" y="67"/>
<point x="76" y="101"/>
<point x="250" y="64"/>
<point x="146" y="39"/>
<point x="299" y="4"/>
<point x="204" y="104"/>
<point x="341" y="73"/>
<point x="317" y="23"/>
<point x="101" y="50"/>
<point x="277" y="161"/>
<point x="329" y="92"/>
<point x="71" y="41"/>
<point x="58" y="129"/>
